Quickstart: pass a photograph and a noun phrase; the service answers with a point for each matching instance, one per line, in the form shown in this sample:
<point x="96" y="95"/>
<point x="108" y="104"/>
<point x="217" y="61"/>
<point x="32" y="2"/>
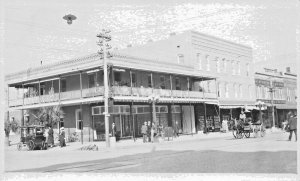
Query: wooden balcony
<point x="114" y="91"/>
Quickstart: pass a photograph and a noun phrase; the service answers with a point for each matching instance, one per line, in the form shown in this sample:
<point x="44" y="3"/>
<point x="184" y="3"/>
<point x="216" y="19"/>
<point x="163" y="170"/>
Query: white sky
<point x="35" y="30"/>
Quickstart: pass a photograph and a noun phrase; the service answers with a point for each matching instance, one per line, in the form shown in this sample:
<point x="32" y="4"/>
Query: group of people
<point x="49" y="134"/>
<point x="148" y="131"/>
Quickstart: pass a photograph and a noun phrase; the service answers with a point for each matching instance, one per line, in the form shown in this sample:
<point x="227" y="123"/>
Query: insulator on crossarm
<point x="108" y="46"/>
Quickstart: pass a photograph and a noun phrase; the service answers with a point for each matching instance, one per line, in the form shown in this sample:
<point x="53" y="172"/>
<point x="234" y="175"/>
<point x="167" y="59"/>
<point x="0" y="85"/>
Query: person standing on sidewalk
<point x="152" y="132"/>
<point x="50" y="140"/>
<point x="62" y="137"/>
<point x="149" y="131"/>
<point x="292" y="126"/>
<point x="144" y="132"/>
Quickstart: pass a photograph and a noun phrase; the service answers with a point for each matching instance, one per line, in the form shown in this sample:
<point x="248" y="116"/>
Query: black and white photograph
<point x="149" y="90"/>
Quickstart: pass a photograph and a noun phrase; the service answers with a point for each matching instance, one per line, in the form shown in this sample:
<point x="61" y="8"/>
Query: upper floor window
<point x="241" y="90"/>
<point x="162" y="82"/>
<point x="177" y="83"/>
<point x="207" y="63"/>
<point x="226" y="90"/>
<point x="218" y="64"/>
<point x="247" y="69"/>
<point x="288" y="94"/>
<point x="180" y="58"/>
<point x="92" y="81"/>
<point x="133" y="79"/>
<point x="149" y="80"/>
<point x="250" y="91"/>
<point x="199" y="60"/>
<point x="117" y="76"/>
<point x="236" y="91"/>
<point x="63" y="85"/>
<point x="238" y="68"/>
<point x="220" y="90"/>
<point x="233" y="67"/>
<point x="225" y="65"/>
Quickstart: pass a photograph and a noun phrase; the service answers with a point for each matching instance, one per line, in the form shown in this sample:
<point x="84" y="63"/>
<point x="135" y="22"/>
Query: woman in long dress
<point x="50" y="140"/>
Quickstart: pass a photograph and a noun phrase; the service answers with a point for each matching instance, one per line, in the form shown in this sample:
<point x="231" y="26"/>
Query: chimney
<point x="288" y="69"/>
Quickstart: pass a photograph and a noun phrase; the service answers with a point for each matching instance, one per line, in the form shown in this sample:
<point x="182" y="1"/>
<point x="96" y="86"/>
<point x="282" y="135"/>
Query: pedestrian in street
<point x="62" y="137"/>
<point x="46" y="135"/>
<point x="292" y="123"/>
<point x="149" y="131"/>
<point x="176" y="129"/>
<point x="243" y="116"/>
<point x="152" y="132"/>
<point x="144" y="132"/>
<point x="113" y="129"/>
<point x="50" y="140"/>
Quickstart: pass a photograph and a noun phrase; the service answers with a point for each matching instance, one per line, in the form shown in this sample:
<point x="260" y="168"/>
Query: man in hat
<point x="144" y="131"/>
<point x="292" y="123"/>
<point x="62" y="137"/>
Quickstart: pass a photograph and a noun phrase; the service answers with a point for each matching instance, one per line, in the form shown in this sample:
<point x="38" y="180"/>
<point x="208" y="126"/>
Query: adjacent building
<point x="277" y="90"/>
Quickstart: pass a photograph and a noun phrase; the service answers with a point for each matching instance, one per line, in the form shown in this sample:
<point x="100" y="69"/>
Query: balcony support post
<point x="80" y="77"/>
<point x="152" y="85"/>
<point x="171" y="86"/>
<point x="39" y="91"/>
<point x="59" y="84"/>
<point x="205" y="128"/>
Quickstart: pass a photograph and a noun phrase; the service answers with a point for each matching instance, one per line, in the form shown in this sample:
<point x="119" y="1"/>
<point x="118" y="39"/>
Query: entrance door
<point x="126" y="126"/>
<point x="99" y="127"/>
<point x="78" y="117"/>
<point x="188" y="119"/>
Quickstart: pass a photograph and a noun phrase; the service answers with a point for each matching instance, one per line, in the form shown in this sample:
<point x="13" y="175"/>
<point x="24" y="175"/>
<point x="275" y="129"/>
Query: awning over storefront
<point x="285" y="106"/>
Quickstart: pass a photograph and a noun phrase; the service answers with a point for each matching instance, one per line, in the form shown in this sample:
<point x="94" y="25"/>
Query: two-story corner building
<point x="278" y="91"/>
<point x="134" y="82"/>
<point x="229" y="62"/>
<point x="290" y="95"/>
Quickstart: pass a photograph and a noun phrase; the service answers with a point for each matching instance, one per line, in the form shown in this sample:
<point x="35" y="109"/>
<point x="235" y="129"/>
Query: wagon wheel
<point x="234" y="133"/>
<point x="262" y="133"/>
<point x="239" y="134"/>
<point x="19" y="146"/>
<point x="247" y="134"/>
<point x="31" y="145"/>
<point x="45" y="146"/>
<point x="255" y="132"/>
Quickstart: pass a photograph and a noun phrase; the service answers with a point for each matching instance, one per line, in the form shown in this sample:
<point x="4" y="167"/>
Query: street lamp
<point x="271" y="90"/>
<point x="69" y="18"/>
<point x="104" y="54"/>
<point x="153" y="99"/>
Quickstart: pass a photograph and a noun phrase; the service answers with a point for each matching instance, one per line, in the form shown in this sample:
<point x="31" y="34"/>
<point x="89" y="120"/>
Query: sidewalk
<point x="75" y="146"/>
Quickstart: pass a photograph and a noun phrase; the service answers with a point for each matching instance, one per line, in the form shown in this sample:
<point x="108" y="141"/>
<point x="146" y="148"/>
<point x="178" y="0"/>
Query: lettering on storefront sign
<point x="274" y="101"/>
<point x="262" y="82"/>
<point x="278" y="84"/>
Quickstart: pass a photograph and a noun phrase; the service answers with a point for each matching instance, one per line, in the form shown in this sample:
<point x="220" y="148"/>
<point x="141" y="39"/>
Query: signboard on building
<point x="278" y="84"/>
<point x="274" y="101"/>
<point x="262" y="82"/>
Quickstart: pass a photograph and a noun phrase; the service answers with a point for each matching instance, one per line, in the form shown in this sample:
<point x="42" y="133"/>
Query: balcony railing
<point x="115" y="91"/>
<point x="145" y="92"/>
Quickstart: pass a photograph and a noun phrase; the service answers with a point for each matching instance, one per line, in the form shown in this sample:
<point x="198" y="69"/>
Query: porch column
<point x="130" y="82"/>
<point x="39" y="91"/>
<point x="131" y="115"/>
<point x="170" y="122"/>
<point x="152" y="85"/>
<point x="81" y="123"/>
<point x="59" y="88"/>
<point x="205" y="117"/>
<point x="22" y="118"/>
<point x="171" y="86"/>
<point x="7" y="95"/>
<point x="80" y="77"/>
